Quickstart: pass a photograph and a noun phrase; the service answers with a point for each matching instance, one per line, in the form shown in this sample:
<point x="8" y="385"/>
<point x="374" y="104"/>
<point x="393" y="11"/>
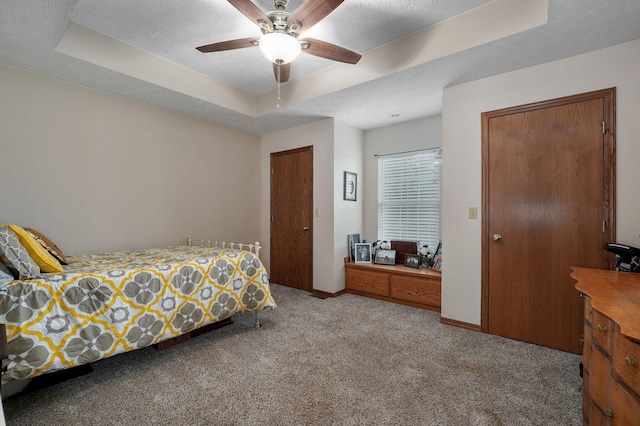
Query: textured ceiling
<point x="31" y="30"/>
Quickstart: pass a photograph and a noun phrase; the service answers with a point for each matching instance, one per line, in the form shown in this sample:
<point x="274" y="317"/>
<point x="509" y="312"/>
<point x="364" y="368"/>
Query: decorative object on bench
<point x="385" y="257"/>
<point x="105" y="304"/>
<point x="437" y="264"/>
<point x="412" y="261"/>
<point x="403" y="248"/>
<point x="352" y="239"/>
<point x="363" y="252"/>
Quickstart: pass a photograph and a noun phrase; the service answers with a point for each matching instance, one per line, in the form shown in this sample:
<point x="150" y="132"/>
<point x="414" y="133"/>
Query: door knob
<point x="497" y="237"/>
<point x="306" y="228"/>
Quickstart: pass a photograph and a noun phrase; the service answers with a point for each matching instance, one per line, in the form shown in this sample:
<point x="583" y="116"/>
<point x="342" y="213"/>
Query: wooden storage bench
<point x="419" y="288"/>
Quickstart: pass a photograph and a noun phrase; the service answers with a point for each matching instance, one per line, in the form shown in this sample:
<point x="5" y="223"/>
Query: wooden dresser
<point x="611" y="352"/>
<point x="398" y="283"/>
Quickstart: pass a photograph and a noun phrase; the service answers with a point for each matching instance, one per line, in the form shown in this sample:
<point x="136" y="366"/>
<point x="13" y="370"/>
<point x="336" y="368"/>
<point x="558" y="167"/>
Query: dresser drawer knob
<point x="609" y="413"/>
<point x="366" y="282"/>
<point x="415" y="290"/>
<point x="602" y="328"/>
<point x="631" y="362"/>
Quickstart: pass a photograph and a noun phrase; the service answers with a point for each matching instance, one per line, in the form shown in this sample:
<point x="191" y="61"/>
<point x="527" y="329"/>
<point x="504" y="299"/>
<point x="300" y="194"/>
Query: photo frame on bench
<point x="437" y="264"/>
<point x="363" y="252"/>
<point x="352" y="239"/>
<point x="385" y="257"/>
<point x="412" y="261"/>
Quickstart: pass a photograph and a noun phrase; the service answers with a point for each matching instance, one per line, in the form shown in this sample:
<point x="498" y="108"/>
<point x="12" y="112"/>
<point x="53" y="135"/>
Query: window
<point x="409" y="196"/>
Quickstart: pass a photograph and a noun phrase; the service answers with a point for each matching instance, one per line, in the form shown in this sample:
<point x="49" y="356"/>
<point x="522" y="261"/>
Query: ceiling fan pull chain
<point x="278" y="87"/>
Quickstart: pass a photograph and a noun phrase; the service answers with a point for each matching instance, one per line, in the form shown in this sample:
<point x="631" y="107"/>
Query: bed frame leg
<point x="257" y="325"/>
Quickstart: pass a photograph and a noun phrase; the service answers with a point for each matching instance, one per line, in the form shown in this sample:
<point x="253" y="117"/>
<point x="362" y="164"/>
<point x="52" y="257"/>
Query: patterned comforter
<point x="106" y="304"/>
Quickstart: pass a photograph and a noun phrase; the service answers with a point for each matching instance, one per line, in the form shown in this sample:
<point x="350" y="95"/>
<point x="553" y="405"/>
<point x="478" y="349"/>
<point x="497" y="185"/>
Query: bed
<point x="104" y="304"/>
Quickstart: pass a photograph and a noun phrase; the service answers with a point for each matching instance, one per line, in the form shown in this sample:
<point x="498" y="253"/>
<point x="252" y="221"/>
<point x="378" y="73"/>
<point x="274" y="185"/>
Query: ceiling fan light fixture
<point x="280" y="48"/>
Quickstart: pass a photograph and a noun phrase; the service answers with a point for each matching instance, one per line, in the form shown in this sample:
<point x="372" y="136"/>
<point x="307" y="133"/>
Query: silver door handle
<point x="497" y="237"/>
<point x="306" y="228"/>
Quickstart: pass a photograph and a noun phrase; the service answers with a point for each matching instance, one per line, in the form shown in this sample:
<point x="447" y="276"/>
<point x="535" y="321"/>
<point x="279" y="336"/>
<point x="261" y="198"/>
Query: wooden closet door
<point x="292" y="218"/>
<point x="547" y="207"/>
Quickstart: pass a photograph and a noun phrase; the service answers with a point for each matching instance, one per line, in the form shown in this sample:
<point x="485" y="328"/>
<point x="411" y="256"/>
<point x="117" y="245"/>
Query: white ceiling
<point x="428" y="45"/>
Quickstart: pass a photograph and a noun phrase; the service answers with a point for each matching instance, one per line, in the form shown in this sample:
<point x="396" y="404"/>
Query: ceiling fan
<point x="280" y="29"/>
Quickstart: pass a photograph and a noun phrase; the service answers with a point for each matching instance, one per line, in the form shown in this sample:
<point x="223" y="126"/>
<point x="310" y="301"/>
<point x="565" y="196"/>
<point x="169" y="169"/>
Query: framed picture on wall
<point x="350" y="186"/>
<point x="363" y="252"/>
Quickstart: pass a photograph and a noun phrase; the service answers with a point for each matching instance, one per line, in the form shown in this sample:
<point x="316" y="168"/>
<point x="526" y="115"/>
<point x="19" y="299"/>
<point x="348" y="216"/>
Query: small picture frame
<point x="437" y="264"/>
<point x="412" y="261"/>
<point x="350" y="186"/>
<point x="385" y="257"/>
<point x="363" y="252"/>
<point x="352" y="239"/>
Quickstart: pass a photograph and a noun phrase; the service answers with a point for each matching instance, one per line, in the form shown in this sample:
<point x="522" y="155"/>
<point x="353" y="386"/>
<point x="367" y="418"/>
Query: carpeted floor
<point x="346" y="361"/>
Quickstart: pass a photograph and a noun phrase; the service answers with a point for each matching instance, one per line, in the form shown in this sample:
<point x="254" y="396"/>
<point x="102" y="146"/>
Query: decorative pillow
<point x="42" y="257"/>
<point x="48" y="245"/>
<point x="15" y="256"/>
<point x="5" y="276"/>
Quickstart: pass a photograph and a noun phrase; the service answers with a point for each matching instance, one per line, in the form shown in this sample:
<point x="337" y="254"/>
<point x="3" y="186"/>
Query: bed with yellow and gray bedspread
<point x="106" y="304"/>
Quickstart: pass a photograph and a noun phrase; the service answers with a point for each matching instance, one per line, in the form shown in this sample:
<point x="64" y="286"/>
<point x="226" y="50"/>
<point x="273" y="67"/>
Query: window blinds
<point x="409" y="197"/>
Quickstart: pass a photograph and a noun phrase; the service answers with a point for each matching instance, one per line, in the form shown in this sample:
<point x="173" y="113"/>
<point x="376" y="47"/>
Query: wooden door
<point x="292" y="218"/>
<point x="548" y="194"/>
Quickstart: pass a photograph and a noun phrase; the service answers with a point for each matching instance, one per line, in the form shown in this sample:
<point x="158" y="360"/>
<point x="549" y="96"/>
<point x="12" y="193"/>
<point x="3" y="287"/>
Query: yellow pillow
<point x="42" y="257"/>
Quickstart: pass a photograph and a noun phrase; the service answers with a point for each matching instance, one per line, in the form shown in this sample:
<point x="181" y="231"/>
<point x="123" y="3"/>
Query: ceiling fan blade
<point x="285" y="71"/>
<point x="313" y="11"/>
<point x="229" y="45"/>
<point x="330" y="51"/>
<point x="253" y="12"/>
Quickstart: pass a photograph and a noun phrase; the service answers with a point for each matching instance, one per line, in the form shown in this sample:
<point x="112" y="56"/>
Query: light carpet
<point x="348" y="360"/>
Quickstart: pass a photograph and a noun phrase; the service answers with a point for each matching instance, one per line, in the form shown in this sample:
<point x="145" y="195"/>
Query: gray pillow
<point x="5" y="275"/>
<point x="15" y="256"/>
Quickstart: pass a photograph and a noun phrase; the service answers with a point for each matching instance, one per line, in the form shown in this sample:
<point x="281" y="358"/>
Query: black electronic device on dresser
<point x="627" y="257"/>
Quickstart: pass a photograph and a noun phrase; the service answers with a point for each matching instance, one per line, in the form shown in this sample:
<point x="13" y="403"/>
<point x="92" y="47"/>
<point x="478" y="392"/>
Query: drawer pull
<point x="366" y="282"/>
<point x="631" y="362"/>
<point x="609" y="413"/>
<point x="602" y="328"/>
<point x="416" y="291"/>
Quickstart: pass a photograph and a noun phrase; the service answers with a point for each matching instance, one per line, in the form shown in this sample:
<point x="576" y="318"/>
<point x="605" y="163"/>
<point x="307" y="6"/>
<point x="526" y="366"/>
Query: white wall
<point x="97" y="173"/>
<point x="348" y="215"/>
<point x="461" y="130"/>
<point x="408" y="136"/>
<point x="336" y="147"/>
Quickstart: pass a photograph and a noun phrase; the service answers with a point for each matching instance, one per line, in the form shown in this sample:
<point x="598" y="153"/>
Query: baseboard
<point x="460" y="324"/>
<point x="325" y="295"/>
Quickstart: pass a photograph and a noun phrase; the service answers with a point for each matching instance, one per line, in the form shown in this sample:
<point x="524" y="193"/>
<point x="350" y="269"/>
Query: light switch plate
<point x="473" y="212"/>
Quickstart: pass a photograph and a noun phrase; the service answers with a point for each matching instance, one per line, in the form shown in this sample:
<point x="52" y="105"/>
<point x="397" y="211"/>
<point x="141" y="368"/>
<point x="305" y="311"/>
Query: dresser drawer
<point x="626" y="357"/>
<point x="600" y="379"/>
<point x="624" y="409"/>
<point x="588" y="310"/>
<point x="367" y="282"/>
<point x="418" y="290"/>
<point x="603" y="331"/>
<point x="587" y="347"/>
